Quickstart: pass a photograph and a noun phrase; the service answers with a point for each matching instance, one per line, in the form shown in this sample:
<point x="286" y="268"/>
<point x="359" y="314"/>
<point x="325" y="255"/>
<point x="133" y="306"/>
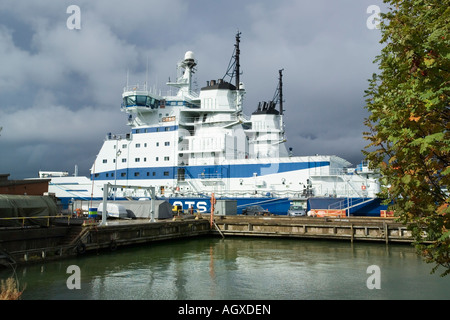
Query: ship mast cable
<point x="279" y="91"/>
<point x="233" y="69"/>
<point x="230" y="66"/>
<point x="238" y="52"/>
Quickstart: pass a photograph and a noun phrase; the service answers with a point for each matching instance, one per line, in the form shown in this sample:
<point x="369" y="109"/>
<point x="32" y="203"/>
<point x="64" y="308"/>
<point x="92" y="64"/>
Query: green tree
<point x="408" y="123"/>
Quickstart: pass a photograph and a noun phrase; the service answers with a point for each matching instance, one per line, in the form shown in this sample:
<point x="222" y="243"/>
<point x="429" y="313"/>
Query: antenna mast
<point x="235" y="65"/>
<point x="280" y="89"/>
<point x="279" y="92"/>
<point x="238" y="52"/>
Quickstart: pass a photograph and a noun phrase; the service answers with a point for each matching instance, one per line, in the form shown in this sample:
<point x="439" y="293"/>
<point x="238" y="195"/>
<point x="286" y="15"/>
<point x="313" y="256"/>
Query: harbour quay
<point x="348" y="228"/>
<point x="71" y="237"/>
<point x="68" y="237"/>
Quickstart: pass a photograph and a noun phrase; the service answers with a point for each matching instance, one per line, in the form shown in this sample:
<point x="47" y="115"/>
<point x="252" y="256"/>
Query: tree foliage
<point x="408" y="125"/>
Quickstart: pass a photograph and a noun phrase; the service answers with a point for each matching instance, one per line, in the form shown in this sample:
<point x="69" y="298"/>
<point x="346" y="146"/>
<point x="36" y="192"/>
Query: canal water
<point x="211" y="268"/>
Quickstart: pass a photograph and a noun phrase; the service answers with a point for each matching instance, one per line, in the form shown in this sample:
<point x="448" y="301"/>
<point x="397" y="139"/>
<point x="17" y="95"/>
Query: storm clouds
<point x="60" y="88"/>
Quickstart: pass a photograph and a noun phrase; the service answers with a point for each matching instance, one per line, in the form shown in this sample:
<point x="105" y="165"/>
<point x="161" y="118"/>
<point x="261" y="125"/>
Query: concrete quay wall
<point x="351" y="228"/>
<point x="56" y="242"/>
<point x="22" y="246"/>
<point x="134" y="232"/>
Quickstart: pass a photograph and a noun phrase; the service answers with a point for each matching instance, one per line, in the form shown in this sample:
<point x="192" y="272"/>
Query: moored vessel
<point x="190" y="145"/>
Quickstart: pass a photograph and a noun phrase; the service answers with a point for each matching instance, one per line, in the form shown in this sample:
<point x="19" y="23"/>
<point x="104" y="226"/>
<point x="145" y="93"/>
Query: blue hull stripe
<point x="198" y="172"/>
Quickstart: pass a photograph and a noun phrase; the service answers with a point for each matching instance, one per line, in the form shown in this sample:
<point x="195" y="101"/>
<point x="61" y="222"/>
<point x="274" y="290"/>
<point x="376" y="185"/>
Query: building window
<point x="138" y="145"/>
<point x="137" y="159"/>
<point x="157" y="158"/>
<point x="124" y="160"/>
<point x="124" y="146"/>
<point x="167" y="128"/>
<point x="166" y="173"/>
<point x="154" y="173"/>
<point x="123" y="174"/>
<point x="136" y="174"/>
<point x="166" y="158"/>
<point x="167" y="143"/>
<point x="145" y="159"/>
<point x="157" y="144"/>
<point x="105" y="161"/>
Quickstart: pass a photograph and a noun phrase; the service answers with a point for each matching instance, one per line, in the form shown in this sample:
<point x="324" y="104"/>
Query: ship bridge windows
<point x="141" y="101"/>
<point x="180" y="104"/>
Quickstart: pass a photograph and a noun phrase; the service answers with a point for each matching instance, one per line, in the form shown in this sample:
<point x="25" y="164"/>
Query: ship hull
<point x="277" y="206"/>
<point x="187" y="146"/>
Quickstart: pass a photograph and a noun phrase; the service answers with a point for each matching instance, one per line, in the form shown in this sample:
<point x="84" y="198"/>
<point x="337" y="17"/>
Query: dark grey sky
<point x="60" y="89"/>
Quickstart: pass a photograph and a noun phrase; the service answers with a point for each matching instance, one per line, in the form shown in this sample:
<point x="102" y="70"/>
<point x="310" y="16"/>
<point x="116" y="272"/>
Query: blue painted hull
<point x="369" y="208"/>
<point x="278" y="206"/>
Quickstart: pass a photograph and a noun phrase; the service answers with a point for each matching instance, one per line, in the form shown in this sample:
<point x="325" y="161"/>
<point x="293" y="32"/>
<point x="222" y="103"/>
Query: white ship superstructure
<point x="194" y="144"/>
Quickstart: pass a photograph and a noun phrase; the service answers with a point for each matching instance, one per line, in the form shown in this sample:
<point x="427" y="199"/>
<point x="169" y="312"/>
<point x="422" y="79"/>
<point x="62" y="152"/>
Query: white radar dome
<point x="189" y="56"/>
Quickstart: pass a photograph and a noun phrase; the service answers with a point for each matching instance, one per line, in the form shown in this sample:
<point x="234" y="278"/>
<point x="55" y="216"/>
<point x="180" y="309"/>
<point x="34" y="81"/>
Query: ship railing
<point x="339" y="171"/>
<point x="183" y="95"/>
<point x="364" y="167"/>
<point x="124" y="136"/>
<point x="348" y="203"/>
<point x="252" y="193"/>
<point x="192" y="94"/>
<point x="210" y="176"/>
<point x="245" y="117"/>
<point x="22" y="220"/>
<point x="139" y="87"/>
<point x="324" y="171"/>
<point x="200" y="120"/>
<point x="189" y="179"/>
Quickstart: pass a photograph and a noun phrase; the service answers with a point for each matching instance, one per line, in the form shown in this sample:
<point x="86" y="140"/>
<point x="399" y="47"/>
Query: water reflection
<point x="239" y="268"/>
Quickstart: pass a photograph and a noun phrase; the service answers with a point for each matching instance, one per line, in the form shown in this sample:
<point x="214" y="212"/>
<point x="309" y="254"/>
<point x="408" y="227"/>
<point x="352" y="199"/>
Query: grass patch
<point x="9" y="289"/>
